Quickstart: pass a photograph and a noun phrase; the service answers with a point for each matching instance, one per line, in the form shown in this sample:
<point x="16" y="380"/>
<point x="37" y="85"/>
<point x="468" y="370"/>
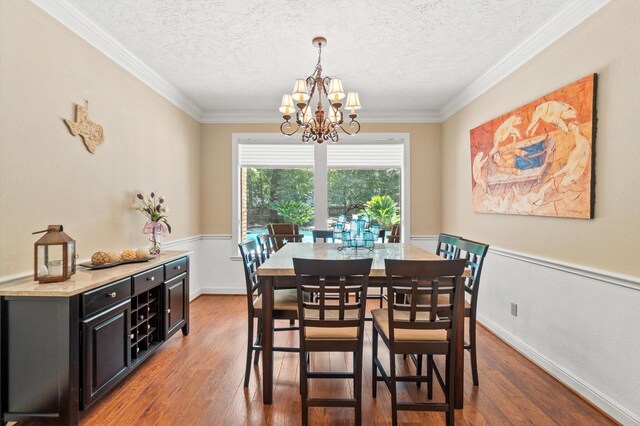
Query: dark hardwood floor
<point x="197" y="380"/>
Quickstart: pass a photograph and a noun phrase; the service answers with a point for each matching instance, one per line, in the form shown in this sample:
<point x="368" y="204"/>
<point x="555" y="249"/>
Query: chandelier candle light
<point x="318" y="127"/>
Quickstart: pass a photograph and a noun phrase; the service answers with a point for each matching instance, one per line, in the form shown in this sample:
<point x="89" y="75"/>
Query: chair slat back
<point x="283" y="228"/>
<point x="321" y="234"/>
<point x="394" y="237"/>
<point x="265" y="246"/>
<point x="250" y="252"/>
<point x="279" y="240"/>
<point x="409" y="279"/>
<point x="282" y="233"/>
<point x="448" y="246"/>
<point x="320" y="281"/>
<point x="474" y="253"/>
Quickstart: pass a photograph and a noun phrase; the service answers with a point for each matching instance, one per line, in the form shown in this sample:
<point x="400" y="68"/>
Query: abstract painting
<point x="538" y="159"/>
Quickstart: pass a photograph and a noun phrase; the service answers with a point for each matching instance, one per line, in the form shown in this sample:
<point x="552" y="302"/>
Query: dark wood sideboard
<point x="65" y="345"/>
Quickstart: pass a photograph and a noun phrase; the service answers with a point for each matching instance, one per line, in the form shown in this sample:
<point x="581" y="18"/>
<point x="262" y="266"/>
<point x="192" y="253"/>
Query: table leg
<point x="267" y="340"/>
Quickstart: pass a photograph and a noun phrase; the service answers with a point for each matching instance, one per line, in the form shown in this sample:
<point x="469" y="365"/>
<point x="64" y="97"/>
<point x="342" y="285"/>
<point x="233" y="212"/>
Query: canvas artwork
<point x="538" y="159"/>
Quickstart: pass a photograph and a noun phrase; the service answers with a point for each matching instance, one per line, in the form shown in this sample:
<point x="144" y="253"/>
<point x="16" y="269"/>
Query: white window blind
<point x="276" y="156"/>
<point x="364" y="156"/>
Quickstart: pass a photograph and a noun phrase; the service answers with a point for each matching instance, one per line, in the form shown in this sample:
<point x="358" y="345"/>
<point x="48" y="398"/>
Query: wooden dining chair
<point x="448" y="246"/>
<point x="394" y="237"/>
<point x="320" y="234"/>
<point x="264" y="241"/>
<point x="331" y="321"/>
<point x="282" y="233"/>
<point x="409" y="327"/>
<point x="285" y="305"/>
<point x="474" y="253"/>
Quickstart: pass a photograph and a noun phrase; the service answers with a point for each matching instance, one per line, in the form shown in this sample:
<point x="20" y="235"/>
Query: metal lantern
<point x="54" y="256"/>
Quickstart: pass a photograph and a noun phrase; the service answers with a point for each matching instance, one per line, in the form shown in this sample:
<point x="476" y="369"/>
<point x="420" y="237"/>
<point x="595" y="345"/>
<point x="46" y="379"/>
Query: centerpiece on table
<point x="155" y="210"/>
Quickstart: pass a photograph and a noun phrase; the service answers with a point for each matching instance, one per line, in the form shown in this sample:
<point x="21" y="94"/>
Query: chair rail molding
<point x="581" y="270"/>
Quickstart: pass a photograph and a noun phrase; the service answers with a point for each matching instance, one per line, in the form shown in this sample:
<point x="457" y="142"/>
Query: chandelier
<point x="318" y="126"/>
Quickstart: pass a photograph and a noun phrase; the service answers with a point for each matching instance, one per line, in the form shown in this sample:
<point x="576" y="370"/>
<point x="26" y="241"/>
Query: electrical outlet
<point x="514" y="309"/>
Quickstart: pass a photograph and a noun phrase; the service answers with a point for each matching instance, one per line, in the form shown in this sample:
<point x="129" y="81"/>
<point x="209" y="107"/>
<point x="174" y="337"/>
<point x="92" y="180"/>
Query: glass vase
<point x="154" y="239"/>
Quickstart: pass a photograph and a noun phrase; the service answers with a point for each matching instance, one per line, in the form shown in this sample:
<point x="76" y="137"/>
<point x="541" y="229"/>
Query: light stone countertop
<point x="281" y="263"/>
<point x="85" y="279"/>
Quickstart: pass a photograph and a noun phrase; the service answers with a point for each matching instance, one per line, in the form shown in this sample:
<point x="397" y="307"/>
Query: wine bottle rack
<point x="145" y="323"/>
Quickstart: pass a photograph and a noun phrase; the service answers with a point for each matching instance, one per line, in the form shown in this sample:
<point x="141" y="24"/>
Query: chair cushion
<point x="381" y="318"/>
<point x="284" y="300"/>
<point x="331" y="333"/>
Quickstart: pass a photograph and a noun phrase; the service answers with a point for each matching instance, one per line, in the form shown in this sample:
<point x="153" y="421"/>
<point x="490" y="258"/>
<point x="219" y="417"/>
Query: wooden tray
<point x="89" y="265"/>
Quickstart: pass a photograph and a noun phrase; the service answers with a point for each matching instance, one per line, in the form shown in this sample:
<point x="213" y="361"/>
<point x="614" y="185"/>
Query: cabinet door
<point x="176" y="306"/>
<point x="105" y="351"/>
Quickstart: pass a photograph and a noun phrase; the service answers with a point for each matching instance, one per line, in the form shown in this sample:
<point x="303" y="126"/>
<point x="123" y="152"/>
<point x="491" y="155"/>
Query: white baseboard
<point x="223" y="290"/>
<point x="600" y="400"/>
<point x="194" y="294"/>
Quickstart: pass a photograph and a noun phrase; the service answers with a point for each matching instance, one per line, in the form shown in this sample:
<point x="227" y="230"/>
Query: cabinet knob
<point x="112" y="295"/>
<point x="168" y="311"/>
<point x="177" y="267"/>
<point x="132" y="336"/>
<point x="141" y="317"/>
<point x="151" y="278"/>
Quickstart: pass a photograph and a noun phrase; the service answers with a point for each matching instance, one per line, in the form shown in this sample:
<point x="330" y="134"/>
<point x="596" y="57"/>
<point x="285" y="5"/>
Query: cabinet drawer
<point x="103" y="297"/>
<point x="148" y="279"/>
<point x="175" y="268"/>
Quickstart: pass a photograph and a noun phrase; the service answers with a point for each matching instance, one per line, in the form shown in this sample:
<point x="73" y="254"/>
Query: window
<point x="279" y="179"/>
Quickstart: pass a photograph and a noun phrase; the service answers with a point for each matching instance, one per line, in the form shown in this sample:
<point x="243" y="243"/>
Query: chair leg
<point x="259" y="337"/>
<point x="393" y="389"/>
<point x="430" y="376"/>
<point x="419" y="368"/>
<point x="374" y="358"/>
<point x="357" y="386"/>
<point x="247" y="370"/>
<point x="303" y="389"/>
<point x="449" y="391"/>
<point x="472" y="349"/>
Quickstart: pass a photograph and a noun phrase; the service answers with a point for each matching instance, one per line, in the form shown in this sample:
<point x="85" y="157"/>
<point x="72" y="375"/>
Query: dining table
<point x="278" y="273"/>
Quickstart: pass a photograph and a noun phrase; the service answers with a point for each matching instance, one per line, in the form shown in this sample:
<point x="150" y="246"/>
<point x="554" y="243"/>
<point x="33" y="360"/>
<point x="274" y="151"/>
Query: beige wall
<point x="48" y="177"/>
<point x="424" y="167"/>
<point x="607" y="43"/>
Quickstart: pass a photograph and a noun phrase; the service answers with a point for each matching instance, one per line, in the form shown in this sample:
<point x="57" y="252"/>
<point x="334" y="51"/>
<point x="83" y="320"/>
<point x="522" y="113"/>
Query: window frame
<point x="320" y="185"/>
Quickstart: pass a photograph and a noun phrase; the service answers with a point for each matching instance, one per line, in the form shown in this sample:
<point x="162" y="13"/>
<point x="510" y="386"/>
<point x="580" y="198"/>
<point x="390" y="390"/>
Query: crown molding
<point x="77" y="21"/>
<point x="566" y="19"/>
<point x="229" y="117"/>
<point x="273" y="117"/>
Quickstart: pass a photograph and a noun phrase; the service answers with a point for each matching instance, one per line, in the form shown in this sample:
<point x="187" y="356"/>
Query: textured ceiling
<point x="235" y="55"/>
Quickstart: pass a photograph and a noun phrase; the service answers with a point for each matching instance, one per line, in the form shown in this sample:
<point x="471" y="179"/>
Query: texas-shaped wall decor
<point x="92" y="134"/>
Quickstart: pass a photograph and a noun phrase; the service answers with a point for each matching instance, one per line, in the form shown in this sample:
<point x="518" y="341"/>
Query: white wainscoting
<point x="579" y="324"/>
<point x="193" y="244"/>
